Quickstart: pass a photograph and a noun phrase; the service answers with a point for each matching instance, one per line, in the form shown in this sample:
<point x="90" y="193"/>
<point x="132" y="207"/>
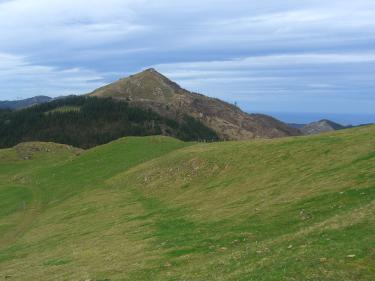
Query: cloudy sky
<point x="315" y="57"/>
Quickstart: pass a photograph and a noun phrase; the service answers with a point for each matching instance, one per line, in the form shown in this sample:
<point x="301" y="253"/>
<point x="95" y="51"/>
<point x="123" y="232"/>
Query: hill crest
<point x="151" y="89"/>
<point x="19" y="104"/>
<point x="321" y="126"/>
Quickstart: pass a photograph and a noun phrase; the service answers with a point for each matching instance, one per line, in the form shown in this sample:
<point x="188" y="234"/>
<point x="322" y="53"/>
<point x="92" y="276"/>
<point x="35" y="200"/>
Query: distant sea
<point x="304" y="118"/>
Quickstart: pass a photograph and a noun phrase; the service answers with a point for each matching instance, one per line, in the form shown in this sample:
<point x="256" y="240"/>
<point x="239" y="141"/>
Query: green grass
<point x="13" y="198"/>
<point x="156" y="208"/>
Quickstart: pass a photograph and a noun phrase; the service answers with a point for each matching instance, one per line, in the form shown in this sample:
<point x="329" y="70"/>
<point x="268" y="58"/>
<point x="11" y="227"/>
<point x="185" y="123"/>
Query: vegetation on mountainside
<point x="151" y="89"/>
<point x="89" y="121"/>
<point x="155" y="208"/>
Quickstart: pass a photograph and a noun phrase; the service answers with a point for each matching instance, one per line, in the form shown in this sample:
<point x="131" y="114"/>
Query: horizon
<point x="292" y="60"/>
<point x="309" y="117"/>
<point x="297" y="117"/>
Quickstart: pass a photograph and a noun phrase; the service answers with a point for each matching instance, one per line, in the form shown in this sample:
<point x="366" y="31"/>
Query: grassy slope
<point x="19" y="200"/>
<point x="151" y="209"/>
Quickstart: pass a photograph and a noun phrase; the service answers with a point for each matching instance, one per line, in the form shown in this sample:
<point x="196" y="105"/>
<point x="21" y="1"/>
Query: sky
<point x="296" y="59"/>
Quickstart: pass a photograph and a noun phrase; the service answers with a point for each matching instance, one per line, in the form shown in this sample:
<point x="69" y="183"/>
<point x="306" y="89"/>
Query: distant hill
<point x="19" y="104"/>
<point x="155" y="208"/>
<point x="296" y="125"/>
<point x="85" y="122"/>
<point x="150" y="89"/>
<point x="321" y="126"/>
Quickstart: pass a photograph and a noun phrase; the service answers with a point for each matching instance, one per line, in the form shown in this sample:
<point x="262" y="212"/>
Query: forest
<point x="86" y="122"/>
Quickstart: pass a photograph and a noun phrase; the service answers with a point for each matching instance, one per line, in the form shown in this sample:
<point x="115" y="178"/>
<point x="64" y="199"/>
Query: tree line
<point x="86" y="122"/>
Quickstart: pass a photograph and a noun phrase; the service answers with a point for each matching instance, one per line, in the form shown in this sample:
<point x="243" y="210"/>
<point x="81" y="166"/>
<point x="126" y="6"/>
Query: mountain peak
<point x="149" y="72"/>
<point x="152" y="70"/>
<point x="148" y="85"/>
<point x="152" y="73"/>
<point x="150" y="89"/>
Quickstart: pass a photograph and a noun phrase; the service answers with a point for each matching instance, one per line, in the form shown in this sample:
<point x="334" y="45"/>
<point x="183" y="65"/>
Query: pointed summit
<point x="148" y="71"/>
<point x="152" y="70"/>
<point x="148" y="85"/>
<point x="150" y="89"/>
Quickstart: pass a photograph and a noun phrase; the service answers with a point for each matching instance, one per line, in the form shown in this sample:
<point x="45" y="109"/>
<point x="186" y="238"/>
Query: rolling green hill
<point x="155" y="208"/>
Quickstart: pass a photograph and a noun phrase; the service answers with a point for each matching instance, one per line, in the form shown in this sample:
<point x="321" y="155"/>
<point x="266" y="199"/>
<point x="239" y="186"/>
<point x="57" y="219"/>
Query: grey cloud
<point x="267" y="52"/>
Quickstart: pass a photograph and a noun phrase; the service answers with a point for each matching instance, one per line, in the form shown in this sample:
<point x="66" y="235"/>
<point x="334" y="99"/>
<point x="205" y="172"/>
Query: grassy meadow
<point x="156" y="208"/>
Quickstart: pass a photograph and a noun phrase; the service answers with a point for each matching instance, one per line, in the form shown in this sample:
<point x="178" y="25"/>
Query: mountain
<point x="150" y="89"/>
<point x="19" y="104"/>
<point x="296" y="125"/>
<point x="321" y="126"/>
<point x="85" y="122"/>
<point x="156" y="208"/>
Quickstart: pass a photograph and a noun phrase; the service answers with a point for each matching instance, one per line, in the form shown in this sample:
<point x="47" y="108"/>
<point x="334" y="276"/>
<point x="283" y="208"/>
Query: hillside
<point x="322" y="126"/>
<point x="150" y="89"/>
<point x="19" y="104"/>
<point x="89" y="121"/>
<point x="296" y="125"/>
<point x="155" y="208"/>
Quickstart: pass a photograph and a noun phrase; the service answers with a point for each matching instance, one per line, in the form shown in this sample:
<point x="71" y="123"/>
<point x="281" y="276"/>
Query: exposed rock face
<point x="150" y="89"/>
<point x="321" y="126"/>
